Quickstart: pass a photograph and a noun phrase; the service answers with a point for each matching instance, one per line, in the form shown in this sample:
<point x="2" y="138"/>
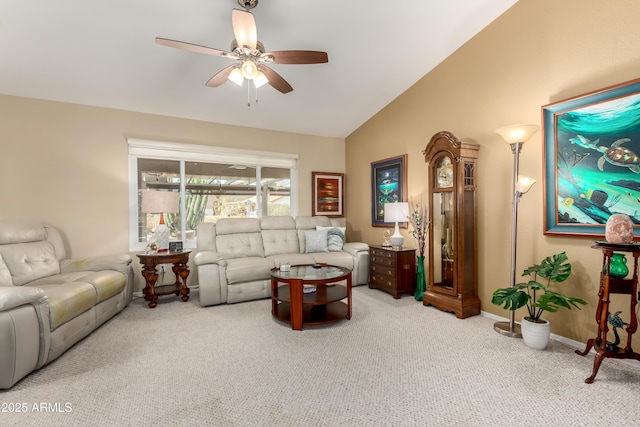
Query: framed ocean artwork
<point x="591" y="160"/>
<point x="388" y="185"/>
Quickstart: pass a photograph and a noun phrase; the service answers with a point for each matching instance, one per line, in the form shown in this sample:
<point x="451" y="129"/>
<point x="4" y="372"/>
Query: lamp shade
<point x="236" y="76"/>
<point x="154" y="201"/>
<point x="396" y="212"/>
<point x="517" y="133"/>
<point x="524" y="184"/>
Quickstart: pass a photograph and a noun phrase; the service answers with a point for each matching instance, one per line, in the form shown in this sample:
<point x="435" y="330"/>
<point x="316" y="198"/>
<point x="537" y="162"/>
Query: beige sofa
<point x="235" y="255"/>
<point x="47" y="302"/>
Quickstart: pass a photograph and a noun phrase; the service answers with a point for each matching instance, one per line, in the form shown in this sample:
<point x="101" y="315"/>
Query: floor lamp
<point x="515" y="136"/>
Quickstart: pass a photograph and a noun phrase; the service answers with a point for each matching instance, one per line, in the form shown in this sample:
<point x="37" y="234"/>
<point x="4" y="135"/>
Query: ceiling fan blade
<point x="220" y="77"/>
<point x="244" y="29"/>
<point x="276" y="80"/>
<point x="298" y="57"/>
<point x="192" y="47"/>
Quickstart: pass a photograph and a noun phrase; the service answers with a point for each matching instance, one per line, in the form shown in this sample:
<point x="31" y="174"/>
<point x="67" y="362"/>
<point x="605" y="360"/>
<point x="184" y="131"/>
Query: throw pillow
<point x="316" y="241"/>
<point x="335" y="237"/>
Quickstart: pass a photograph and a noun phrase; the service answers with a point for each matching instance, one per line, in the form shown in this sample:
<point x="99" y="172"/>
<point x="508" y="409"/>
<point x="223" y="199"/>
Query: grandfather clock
<point x="453" y="260"/>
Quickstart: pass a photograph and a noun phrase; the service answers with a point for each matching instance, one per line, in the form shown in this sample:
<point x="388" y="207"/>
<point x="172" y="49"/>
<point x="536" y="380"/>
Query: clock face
<point x="445" y="176"/>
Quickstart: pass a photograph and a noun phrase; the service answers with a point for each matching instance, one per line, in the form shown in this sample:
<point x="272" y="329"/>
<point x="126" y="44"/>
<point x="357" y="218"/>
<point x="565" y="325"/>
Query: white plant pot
<point x="535" y="335"/>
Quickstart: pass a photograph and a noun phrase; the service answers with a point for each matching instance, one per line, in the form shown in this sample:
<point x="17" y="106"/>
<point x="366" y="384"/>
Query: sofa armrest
<point x="15" y="296"/>
<point x="354" y="247"/>
<point x="24" y="332"/>
<point x="209" y="257"/>
<point x="110" y="262"/>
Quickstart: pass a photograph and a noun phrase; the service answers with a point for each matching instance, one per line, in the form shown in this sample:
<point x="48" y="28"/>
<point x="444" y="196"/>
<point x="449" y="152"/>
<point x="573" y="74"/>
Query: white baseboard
<point x="571" y="343"/>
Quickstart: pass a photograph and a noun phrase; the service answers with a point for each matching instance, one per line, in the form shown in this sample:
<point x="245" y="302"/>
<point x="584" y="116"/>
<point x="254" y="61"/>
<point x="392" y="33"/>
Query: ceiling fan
<point x="250" y="54"/>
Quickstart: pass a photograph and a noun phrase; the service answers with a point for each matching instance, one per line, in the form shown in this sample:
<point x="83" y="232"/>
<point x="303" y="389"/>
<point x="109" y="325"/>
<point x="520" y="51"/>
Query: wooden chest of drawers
<point x="392" y="270"/>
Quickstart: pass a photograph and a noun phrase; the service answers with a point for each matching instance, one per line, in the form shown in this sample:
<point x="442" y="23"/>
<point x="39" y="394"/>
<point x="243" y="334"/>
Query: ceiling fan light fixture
<point x="260" y="80"/>
<point x="249" y="70"/>
<point x="236" y="76"/>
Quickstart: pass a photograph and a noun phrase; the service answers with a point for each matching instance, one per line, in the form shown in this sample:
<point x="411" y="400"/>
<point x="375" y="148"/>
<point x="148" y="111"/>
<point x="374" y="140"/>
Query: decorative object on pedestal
<point x="160" y="202"/>
<point x="452" y="236"/>
<point x="419" y="221"/>
<point x="515" y="136"/>
<point x="618" y="266"/>
<point x="619" y="229"/>
<point x="536" y="296"/>
<point x="396" y="212"/>
<point x="616" y="322"/>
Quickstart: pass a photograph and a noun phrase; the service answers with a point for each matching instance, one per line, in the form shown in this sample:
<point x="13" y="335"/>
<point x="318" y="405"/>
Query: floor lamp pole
<point x="510" y="328"/>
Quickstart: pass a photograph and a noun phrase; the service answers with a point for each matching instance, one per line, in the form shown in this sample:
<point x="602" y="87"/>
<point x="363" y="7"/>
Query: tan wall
<point x="66" y="164"/>
<point x="538" y="52"/>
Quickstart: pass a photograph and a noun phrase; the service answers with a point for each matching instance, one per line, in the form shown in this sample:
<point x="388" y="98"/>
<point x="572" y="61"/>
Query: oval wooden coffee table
<point x="310" y="295"/>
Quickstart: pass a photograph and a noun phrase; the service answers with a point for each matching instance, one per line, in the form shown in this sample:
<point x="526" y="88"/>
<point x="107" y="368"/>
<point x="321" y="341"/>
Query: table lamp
<point x="160" y="202"/>
<point x="396" y="212"/>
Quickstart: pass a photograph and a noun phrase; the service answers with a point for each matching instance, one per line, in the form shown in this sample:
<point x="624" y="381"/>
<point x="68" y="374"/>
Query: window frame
<point x="175" y="151"/>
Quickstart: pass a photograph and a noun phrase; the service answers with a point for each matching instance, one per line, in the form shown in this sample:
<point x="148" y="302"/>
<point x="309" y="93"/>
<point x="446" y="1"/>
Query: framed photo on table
<point x="327" y="192"/>
<point x="591" y="160"/>
<point x="388" y="185"/>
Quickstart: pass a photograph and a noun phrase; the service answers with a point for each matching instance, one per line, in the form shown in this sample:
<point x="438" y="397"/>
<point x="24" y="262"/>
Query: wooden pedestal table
<point x="180" y="268"/>
<point x="610" y="285"/>
<point x="291" y="304"/>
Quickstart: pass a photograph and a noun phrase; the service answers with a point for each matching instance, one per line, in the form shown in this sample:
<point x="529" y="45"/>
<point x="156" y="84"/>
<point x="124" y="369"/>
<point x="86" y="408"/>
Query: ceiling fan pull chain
<point x="248" y="94"/>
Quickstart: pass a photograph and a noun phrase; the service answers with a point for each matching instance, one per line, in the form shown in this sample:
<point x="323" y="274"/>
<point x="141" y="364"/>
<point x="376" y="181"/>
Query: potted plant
<point x="538" y="298"/>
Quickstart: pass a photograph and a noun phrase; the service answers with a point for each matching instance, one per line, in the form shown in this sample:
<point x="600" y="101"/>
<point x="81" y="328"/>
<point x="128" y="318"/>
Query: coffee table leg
<point x="295" y="295"/>
<point x="349" y="296"/>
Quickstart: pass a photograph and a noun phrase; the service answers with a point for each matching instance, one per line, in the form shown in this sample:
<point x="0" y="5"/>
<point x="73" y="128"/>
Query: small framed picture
<point x="327" y="190"/>
<point x="175" y="246"/>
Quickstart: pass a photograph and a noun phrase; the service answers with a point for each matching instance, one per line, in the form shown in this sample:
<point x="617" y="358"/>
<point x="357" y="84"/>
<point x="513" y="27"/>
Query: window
<point x="212" y="182"/>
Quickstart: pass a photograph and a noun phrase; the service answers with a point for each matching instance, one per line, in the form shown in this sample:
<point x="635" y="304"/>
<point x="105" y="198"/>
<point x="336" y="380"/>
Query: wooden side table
<point x="392" y="270"/>
<point x="610" y="285"/>
<point x="180" y="268"/>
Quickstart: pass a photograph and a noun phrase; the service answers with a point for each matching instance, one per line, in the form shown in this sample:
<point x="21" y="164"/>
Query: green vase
<point x="421" y="283"/>
<point x="618" y="267"/>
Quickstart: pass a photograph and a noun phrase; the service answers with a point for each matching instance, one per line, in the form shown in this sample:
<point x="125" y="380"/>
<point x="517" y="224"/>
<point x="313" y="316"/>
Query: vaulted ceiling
<point x="103" y="53"/>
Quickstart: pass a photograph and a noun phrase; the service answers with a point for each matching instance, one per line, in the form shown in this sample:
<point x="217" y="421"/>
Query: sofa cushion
<point x="280" y="242"/>
<point x="277" y="223"/>
<point x="340" y="259"/>
<point x="316" y="241"/>
<point x="29" y="261"/>
<point x="21" y="232"/>
<point x="240" y="245"/>
<point x="5" y="274"/>
<point x="248" y="269"/>
<point x="335" y="237"/>
<point x="67" y="300"/>
<point x="106" y="283"/>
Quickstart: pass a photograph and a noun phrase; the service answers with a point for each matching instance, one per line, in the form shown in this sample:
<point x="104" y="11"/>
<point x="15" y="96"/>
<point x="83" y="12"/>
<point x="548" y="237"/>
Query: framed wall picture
<point x="591" y="160"/>
<point x="388" y="185"/>
<point x="327" y="192"/>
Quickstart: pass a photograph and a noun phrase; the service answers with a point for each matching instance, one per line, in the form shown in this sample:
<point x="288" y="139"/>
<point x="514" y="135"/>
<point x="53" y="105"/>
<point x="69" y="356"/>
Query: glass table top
<point x="309" y="272"/>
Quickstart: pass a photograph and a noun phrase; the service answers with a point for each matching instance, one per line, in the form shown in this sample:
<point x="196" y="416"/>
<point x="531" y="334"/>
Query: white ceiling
<point x="102" y="53"/>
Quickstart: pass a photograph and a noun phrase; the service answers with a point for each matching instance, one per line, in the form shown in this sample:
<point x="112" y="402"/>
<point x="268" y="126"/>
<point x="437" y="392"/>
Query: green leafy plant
<point x="536" y="296"/>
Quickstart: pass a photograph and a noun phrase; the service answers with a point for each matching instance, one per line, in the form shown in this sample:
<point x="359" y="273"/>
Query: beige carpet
<point x="395" y="363"/>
